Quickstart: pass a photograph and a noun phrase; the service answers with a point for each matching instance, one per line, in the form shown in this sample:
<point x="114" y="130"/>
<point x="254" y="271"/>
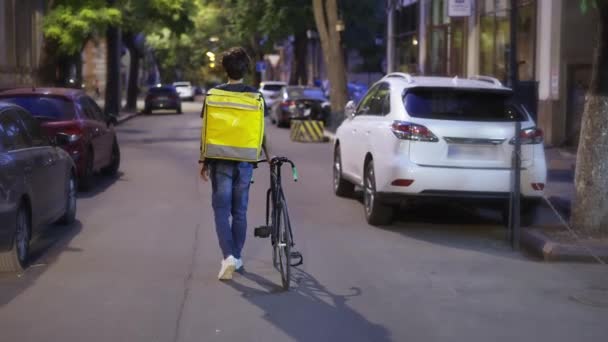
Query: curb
<point x="537" y="243"/>
<point x="124" y="118"/>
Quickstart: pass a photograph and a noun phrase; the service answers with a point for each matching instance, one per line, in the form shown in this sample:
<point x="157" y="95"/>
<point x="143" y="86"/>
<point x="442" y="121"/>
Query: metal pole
<point x="513" y="65"/>
<point x="516" y="191"/>
<point x="390" y="40"/>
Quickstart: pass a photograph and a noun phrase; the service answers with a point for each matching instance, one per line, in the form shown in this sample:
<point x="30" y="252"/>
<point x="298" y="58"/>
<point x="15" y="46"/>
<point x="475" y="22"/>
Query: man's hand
<point x="204" y="172"/>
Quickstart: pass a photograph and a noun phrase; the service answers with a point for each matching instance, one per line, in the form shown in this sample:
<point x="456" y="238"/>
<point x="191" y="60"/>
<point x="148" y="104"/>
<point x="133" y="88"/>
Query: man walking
<point x="230" y="179"/>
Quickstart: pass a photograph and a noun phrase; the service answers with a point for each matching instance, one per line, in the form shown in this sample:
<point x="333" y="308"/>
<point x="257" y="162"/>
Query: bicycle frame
<point x="275" y="194"/>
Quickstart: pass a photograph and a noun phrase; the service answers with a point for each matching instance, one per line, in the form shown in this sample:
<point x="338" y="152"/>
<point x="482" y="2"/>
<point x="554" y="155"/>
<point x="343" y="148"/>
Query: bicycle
<point x="278" y="224"/>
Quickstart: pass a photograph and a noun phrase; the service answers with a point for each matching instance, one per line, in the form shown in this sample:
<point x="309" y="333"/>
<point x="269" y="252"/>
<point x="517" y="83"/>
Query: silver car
<point x="37" y="184"/>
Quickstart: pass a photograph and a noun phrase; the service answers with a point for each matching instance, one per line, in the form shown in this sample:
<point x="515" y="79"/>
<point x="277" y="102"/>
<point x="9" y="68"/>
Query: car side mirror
<point x="349" y="109"/>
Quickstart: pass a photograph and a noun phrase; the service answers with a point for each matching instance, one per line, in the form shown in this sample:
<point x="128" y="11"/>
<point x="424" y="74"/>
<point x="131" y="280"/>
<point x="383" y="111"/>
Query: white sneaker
<point x="228" y="267"/>
<point x="239" y="264"/>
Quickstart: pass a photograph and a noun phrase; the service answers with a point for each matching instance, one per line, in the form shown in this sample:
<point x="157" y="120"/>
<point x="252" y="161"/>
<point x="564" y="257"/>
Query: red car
<point x="92" y="142"/>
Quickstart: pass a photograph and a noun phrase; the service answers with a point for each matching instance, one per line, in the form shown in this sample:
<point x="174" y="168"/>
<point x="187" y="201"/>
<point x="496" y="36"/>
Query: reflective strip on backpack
<point x="231" y="152"/>
<point x="232" y="104"/>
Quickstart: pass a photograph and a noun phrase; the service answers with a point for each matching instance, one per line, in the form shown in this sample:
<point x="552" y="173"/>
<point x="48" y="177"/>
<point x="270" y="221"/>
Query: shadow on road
<point x="101" y="184"/>
<point x="309" y="311"/>
<point x="46" y="248"/>
<point x="466" y="225"/>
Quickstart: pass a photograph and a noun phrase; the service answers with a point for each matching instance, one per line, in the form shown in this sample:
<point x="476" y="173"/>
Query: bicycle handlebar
<point x="279" y="161"/>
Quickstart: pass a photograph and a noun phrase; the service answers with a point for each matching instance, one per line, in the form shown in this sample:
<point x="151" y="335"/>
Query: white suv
<point x="436" y="137"/>
<point x="271" y="90"/>
<point x="185" y="90"/>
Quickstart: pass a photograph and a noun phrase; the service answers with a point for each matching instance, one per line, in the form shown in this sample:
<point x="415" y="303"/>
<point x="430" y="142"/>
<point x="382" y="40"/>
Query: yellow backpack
<point x="233" y="126"/>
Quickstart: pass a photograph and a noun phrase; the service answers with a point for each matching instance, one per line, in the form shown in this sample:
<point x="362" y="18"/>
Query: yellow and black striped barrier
<point x="308" y="131"/>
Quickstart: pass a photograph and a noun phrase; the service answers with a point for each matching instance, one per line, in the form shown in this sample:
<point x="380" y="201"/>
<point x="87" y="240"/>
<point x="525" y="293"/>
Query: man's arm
<point x="265" y="148"/>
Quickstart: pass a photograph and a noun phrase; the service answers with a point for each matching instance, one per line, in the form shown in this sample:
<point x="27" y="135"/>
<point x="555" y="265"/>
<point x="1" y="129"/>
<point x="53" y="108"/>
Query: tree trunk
<point x="326" y="17"/>
<point x="299" y="74"/>
<point x="112" y="94"/>
<point x="134" y="57"/>
<point x="590" y="210"/>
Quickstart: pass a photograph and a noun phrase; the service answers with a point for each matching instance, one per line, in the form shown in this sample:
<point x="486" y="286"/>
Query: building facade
<point x="555" y="43"/>
<point x="20" y="41"/>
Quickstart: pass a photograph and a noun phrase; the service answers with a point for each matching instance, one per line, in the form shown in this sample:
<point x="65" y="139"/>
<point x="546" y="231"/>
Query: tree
<point x="283" y="18"/>
<point x="326" y="18"/>
<point x="590" y="210"/>
<point x="142" y="16"/>
<point x="67" y="27"/>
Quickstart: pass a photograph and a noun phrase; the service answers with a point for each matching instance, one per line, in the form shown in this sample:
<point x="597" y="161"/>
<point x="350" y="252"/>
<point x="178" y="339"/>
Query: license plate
<point x="464" y="152"/>
<point x="162" y="98"/>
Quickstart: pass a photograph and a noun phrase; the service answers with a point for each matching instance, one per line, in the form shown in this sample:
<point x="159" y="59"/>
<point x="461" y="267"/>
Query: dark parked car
<point x="163" y="97"/>
<point x="92" y="140"/>
<point x="37" y="184"/>
<point x="301" y="103"/>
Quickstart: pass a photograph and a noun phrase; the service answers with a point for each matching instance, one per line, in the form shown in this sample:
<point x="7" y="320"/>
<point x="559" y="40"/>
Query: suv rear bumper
<point x="464" y="196"/>
<point x="459" y="182"/>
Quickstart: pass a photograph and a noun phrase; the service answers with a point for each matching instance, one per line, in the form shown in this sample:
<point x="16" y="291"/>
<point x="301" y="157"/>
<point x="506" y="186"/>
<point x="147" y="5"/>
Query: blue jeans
<point x="230" y="182"/>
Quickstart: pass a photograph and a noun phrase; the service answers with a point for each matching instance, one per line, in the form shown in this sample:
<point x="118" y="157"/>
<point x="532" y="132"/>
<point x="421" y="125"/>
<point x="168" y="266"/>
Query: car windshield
<point x="273" y="87"/>
<point x="461" y="104"/>
<point x="162" y="91"/>
<point x="45" y="107"/>
<point x="305" y="93"/>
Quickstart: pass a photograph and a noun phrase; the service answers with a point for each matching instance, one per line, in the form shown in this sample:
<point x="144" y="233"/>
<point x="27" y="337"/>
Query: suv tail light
<point x="410" y="131"/>
<point x="530" y="136"/>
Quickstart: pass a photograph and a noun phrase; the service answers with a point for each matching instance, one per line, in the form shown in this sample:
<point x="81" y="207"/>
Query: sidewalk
<point x="124" y="116"/>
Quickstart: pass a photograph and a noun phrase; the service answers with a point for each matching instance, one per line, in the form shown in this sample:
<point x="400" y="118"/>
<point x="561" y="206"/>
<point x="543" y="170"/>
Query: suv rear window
<point x="45" y="107"/>
<point x="461" y="105"/>
<point x="273" y="87"/>
<point x="163" y="91"/>
<point x="305" y="93"/>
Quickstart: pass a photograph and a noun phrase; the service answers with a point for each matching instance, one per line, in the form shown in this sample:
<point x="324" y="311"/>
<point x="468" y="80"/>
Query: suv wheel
<point x="112" y="169"/>
<point x="15" y="259"/>
<point x="85" y="183"/>
<point x="376" y="213"/>
<point x="342" y="187"/>
<point x="70" y="207"/>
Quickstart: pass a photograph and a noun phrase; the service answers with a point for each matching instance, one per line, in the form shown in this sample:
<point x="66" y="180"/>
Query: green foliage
<point x="70" y="23"/>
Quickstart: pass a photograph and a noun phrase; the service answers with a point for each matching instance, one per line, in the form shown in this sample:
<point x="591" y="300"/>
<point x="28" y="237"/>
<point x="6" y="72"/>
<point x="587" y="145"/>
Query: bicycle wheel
<point x="283" y="245"/>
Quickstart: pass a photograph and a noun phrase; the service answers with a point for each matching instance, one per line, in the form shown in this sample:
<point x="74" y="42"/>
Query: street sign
<point x="459" y="8"/>
<point x="260" y="66"/>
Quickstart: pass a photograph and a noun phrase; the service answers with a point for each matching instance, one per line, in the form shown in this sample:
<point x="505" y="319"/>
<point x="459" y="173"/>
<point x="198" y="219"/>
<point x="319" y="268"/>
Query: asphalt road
<point x="142" y="260"/>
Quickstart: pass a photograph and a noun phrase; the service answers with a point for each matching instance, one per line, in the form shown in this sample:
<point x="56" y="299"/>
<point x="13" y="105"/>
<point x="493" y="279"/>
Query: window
<point x="273" y="87"/>
<point x="305" y="93"/>
<point x="376" y="102"/>
<point x="14" y="136"/>
<point x="380" y="104"/>
<point x="44" y="107"/>
<point x="446" y="41"/>
<point x="94" y="108"/>
<point x="32" y="127"/>
<point x="365" y="105"/>
<point x="462" y="105"/>
<point x="495" y="38"/>
<point x="407" y="38"/>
